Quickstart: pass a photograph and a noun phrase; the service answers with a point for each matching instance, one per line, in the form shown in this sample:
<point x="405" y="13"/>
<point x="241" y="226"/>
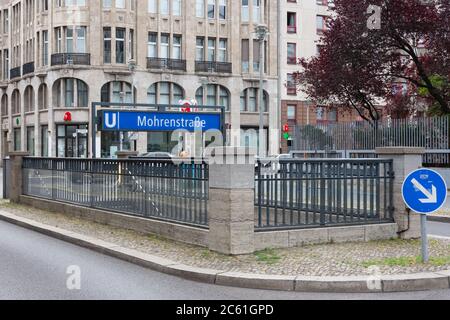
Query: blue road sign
<point x="117" y="120"/>
<point x="424" y="191"/>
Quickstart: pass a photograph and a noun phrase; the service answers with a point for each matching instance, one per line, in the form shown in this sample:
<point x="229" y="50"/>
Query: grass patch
<point x="268" y="256"/>
<point x="407" y="261"/>
<point x="206" y="253"/>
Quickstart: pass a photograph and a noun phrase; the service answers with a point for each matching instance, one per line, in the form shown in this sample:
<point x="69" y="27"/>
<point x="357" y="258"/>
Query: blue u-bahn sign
<point x="122" y="120"/>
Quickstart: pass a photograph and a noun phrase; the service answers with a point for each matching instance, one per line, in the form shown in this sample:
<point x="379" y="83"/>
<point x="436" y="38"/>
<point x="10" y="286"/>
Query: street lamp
<point x="261" y="33"/>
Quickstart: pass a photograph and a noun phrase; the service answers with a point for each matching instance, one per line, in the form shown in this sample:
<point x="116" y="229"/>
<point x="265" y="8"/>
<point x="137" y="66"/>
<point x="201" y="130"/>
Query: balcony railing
<point x="71" y="59"/>
<point x="28" y="68"/>
<point x="213" y="66"/>
<point x="14" y="73"/>
<point x="164" y="63"/>
<point x="292" y="29"/>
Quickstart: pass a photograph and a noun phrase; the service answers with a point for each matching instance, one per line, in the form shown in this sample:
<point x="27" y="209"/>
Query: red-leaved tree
<point x="358" y="65"/>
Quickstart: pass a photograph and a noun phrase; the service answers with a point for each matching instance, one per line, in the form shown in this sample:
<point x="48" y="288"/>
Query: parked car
<point x="157" y="155"/>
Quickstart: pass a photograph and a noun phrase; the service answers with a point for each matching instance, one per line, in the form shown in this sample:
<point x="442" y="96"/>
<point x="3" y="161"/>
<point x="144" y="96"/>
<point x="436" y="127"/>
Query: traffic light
<point x="286" y="130"/>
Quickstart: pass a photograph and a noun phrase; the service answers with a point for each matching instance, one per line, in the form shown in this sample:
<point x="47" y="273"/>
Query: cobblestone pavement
<point x="392" y="256"/>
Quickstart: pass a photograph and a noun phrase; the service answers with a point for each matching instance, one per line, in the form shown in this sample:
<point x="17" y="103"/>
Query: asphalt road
<point x="34" y="266"/>
<point x="438" y="229"/>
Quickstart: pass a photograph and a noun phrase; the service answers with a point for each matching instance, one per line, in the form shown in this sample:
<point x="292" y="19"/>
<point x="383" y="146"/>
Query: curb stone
<point x="350" y="284"/>
<point x="439" y="218"/>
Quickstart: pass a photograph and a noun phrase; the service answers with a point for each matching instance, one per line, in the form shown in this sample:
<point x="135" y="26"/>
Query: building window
<point x="165" y="93"/>
<point x="74" y="39"/>
<point x="291" y="22"/>
<point x="245" y="55"/>
<point x="292" y="113"/>
<point x="176" y="7"/>
<point x="256" y="11"/>
<point x="222" y="56"/>
<point x="44" y="141"/>
<point x="291" y="53"/>
<point x="15" y="102"/>
<point x="152" y="6"/>
<point x="245" y="11"/>
<point x="164" y="6"/>
<point x="107" y="45"/>
<point x="250" y="100"/>
<point x="42" y="97"/>
<point x="71" y="93"/>
<point x="176" y="47"/>
<point x="165" y="46"/>
<point x="216" y="95"/>
<point x="321" y="24"/>
<point x="28" y="102"/>
<point x="211" y="9"/>
<point x="211" y="49"/>
<point x="200" y="49"/>
<point x="4" y="108"/>
<point x="45" y="48"/>
<point x="70" y="143"/>
<point x="222" y="9"/>
<point x="120" y="45"/>
<point x="152" y="46"/>
<point x="30" y="141"/>
<point x="17" y="139"/>
<point x="291" y="85"/>
<point x="118" y="92"/>
<point x="200" y="8"/>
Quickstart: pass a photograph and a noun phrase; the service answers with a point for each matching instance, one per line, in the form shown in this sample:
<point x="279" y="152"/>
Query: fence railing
<point x="157" y="189"/>
<point x="314" y="193"/>
<point x="70" y="59"/>
<point x="433" y="134"/>
<point x="213" y="66"/>
<point x="164" y="63"/>
<point x="28" y="68"/>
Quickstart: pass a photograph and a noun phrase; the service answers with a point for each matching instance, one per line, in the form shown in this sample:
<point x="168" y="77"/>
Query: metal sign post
<point x="423" y="228"/>
<point x="424" y="192"/>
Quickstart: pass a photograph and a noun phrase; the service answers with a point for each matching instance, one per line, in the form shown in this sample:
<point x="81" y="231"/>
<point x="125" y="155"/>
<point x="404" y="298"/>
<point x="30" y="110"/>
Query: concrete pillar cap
<point x="400" y="150"/>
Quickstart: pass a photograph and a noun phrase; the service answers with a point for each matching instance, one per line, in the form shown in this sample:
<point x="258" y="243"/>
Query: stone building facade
<point x="59" y="56"/>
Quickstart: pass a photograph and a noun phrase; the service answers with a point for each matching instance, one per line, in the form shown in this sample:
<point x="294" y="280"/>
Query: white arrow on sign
<point x="430" y="197"/>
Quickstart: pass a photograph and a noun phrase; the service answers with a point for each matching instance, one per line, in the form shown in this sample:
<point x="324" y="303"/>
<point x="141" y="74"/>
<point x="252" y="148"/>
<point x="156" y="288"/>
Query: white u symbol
<point x="111" y="123"/>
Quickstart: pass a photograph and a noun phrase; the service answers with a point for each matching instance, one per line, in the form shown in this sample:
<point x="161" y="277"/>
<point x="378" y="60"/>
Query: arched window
<point x="250" y="100"/>
<point x="4" y="108"/>
<point x="216" y="95"/>
<point x="42" y="97"/>
<point x="168" y="93"/>
<point x="28" y="102"/>
<point x="70" y="93"/>
<point x="15" y="102"/>
<point x="118" y="92"/>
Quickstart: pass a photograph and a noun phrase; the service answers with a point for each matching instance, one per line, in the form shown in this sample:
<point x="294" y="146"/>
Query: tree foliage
<point x="357" y="66"/>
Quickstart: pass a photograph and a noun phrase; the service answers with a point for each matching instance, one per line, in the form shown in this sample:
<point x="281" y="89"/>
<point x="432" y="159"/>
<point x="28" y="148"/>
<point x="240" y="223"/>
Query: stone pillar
<point x="15" y="190"/>
<point x="406" y="160"/>
<point x="231" y="200"/>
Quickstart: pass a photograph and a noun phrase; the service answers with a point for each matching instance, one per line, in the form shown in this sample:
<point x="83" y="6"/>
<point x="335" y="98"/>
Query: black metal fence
<point x="28" y="68"/>
<point x="315" y="193"/>
<point x="213" y="66"/>
<point x="163" y="63"/>
<point x="70" y="59"/>
<point x="157" y="189"/>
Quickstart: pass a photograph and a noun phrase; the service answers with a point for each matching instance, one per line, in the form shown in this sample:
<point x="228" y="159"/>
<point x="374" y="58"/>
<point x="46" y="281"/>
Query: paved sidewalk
<point x="350" y="259"/>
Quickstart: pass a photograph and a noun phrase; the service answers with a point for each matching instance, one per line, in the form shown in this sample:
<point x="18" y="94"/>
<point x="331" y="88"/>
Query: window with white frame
<point x="200" y="8"/>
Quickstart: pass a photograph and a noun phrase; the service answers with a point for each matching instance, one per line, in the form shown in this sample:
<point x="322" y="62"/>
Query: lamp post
<point x="261" y="32"/>
<point x="132" y="68"/>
